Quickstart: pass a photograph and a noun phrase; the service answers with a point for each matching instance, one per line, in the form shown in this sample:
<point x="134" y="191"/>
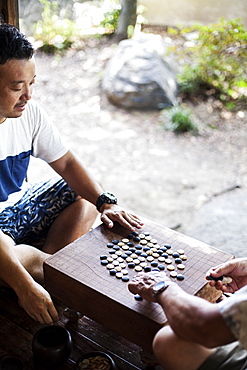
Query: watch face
<point x="159" y="286"/>
<point x="109" y="196"/>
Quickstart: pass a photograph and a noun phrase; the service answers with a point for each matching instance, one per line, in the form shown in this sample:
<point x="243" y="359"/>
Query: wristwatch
<point x="106" y="197"/>
<point x="160" y="287"/>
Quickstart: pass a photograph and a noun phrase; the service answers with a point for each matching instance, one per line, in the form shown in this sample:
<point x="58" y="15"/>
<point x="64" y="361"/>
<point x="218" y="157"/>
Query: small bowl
<point x="95" y="354"/>
<point x="12" y="362"/>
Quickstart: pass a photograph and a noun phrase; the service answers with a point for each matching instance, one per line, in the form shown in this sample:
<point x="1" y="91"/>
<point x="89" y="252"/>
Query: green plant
<point x="54" y="34"/>
<point x="109" y="23"/>
<point x="178" y="120"/>
<point x="216" y="61"/>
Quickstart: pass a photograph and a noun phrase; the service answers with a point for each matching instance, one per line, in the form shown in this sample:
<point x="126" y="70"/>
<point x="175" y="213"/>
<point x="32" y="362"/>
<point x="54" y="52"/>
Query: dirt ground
<point x="175" y="180"/>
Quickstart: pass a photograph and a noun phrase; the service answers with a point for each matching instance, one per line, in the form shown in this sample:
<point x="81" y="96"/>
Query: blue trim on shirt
<point x="13" y="171"/>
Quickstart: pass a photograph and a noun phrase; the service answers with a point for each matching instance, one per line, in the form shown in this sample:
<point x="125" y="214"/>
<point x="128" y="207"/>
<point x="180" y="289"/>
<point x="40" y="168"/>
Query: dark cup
<point x="51" y="346"/>
<point x="96" y="354"/>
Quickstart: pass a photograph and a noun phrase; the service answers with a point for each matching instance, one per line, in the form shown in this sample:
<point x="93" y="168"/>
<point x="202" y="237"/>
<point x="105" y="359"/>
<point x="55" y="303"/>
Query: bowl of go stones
<point x="95" y="361"/>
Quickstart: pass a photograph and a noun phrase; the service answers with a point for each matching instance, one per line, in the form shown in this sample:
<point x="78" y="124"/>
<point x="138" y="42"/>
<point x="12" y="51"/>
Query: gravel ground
<point x="179" y="181"/>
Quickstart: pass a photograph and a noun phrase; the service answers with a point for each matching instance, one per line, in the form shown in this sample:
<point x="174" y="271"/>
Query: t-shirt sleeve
<point x="234" y="312"/>
<point x="47" y="143"/>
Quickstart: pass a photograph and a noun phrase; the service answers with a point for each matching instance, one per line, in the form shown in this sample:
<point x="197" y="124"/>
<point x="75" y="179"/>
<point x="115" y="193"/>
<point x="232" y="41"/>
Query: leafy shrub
<point x="178" y="120"/>
<point x="217" y="60"/>
<point x="54" y="33"/>
<point x="111" y="19"/>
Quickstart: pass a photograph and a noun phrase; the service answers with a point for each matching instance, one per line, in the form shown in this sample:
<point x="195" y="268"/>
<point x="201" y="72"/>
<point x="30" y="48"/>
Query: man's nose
<point x="27" y="93"/>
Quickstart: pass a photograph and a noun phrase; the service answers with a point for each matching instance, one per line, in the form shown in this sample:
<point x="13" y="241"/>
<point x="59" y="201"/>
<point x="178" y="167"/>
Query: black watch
<point x="160" y="287"/>
<point x="106" y="197"/>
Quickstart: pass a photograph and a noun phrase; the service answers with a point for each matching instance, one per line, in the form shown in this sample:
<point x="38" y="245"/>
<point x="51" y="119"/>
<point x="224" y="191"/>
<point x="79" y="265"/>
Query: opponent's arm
<point x="192" y="318"/>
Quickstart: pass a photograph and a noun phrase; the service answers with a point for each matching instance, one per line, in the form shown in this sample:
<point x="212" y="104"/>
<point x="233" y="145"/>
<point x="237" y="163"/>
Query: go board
<point x="75" y="275"/>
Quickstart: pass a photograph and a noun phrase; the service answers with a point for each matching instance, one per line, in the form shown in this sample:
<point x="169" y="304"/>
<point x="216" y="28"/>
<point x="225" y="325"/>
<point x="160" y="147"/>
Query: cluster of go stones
<point x="141" y="252"/>
<point x="95" y="363"/>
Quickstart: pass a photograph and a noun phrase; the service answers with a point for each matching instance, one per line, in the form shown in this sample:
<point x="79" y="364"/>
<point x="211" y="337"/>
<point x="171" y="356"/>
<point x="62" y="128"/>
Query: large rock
<point x="138" y="76"/>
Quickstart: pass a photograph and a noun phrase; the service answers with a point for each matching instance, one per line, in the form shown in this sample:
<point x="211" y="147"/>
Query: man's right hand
<point x="36" y="301"/>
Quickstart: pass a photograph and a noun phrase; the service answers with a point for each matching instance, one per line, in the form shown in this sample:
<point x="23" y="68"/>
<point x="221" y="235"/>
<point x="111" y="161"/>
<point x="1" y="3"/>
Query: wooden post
<point x="9" y="12"/>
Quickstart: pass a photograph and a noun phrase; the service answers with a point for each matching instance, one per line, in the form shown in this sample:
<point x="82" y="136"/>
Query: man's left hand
<point x="113" y="213"/>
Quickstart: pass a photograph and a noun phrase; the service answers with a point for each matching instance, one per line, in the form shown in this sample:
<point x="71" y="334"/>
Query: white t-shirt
<point x="31" y="134"/>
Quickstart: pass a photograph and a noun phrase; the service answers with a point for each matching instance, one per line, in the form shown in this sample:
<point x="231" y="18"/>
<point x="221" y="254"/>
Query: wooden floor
<point x="17" y="330"/>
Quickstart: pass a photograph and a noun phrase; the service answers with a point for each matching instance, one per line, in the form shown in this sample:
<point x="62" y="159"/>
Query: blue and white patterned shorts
<point x="29" y="220"/>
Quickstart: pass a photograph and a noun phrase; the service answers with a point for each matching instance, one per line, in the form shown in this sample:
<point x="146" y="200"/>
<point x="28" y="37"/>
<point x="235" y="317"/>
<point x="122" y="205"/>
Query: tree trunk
<point x="9" y="12"/>
<point x="127" y="18"/>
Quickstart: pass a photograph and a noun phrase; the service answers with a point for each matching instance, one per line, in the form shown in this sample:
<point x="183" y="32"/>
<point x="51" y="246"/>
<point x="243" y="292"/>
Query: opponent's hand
<point x="36" y="301"/>
<point x="143" y="283"/>
<point x="236" y="269"/>
<point x="113" y="213"/>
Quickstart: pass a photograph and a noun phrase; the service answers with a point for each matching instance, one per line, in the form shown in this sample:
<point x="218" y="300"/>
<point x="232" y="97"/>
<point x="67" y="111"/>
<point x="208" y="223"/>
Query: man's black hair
<point x="13" y="44"/>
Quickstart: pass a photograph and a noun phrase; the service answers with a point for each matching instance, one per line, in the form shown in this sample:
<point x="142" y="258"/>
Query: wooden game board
<point x="76" y="277"/>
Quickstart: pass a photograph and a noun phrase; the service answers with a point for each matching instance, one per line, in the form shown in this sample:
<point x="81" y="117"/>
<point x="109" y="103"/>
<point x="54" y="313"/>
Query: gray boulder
<point x="138" y="76"/>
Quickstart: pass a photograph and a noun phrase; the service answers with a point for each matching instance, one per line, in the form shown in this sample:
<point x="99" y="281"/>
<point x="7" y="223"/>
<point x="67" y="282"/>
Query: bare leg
<point x="31" y="258"/>
<point x="75" y="221"/>
<point x="174" y="353"/>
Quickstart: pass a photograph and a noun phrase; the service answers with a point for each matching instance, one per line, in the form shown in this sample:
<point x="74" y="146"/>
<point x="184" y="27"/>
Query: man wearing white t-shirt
<point x="46" y="215"/>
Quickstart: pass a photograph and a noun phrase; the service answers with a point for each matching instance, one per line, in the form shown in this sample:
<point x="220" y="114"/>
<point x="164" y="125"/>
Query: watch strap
<point x="107" y="198"/>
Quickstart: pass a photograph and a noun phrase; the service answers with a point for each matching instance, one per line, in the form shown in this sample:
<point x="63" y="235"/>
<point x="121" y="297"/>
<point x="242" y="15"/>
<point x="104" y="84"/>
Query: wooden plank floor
<point x="17" y="330"/>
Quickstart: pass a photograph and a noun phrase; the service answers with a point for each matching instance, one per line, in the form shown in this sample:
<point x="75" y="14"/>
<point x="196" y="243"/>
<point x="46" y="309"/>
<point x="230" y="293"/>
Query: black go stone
<point x="128" y="253"/>
<point x="112" y="272"/>
<point x="116" y="247"/>
<point x="160" y="252"/>
<point x="137" y="239"/>
<point x="125" y="278"/>
<point x="135" y="233"/>
<point x="178" y="260"/>
<point x="146" y="249"/>
<point x="163" y="249"/>
<point x="138" y="253"/>
<point x="161" y="267"/>
<point x="104" y="262"/>
<point x="112" y="251"/>
<point x="124" y="256"/>
<point x="132" y="250"/>
<point x="156" y="269"/>
<point x="103" y="257"/>
<point x="175" y="255"/>
<point x="138" y="246"/>
<point x="138" y="297"/>
<point x="115" y="241"/>
<point x="154" y="264"/>
<point x="144" y="255"/>
<point x="146" y="234"/>
<point x="131" y="265"/>
<point x="147" y="268"/>
<point x="165" y="255"/>
<point x="168" y="246"/>
<point x="180" y="277"/>
<point x="130" y="236"/>
<point x="110" y="245"/>
<point x="130" y="244"/>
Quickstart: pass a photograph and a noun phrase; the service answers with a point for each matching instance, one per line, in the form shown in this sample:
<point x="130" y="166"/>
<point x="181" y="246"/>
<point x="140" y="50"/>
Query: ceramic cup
<point x="51" y="346"/>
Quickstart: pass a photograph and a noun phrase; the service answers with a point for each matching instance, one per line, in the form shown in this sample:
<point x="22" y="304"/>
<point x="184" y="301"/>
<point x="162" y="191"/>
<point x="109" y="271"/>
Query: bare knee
<point x="4" y="238"/>
<point x="162" y="344"/>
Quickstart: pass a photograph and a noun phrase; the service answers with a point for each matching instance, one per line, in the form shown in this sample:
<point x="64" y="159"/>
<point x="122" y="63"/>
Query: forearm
<point x="78" y="177"/>
<point x="11" y="270"/>
<point x="194" y="319"/>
